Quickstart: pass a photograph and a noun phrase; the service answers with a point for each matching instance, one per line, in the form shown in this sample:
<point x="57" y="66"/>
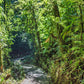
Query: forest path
<point x="34" y="75"/>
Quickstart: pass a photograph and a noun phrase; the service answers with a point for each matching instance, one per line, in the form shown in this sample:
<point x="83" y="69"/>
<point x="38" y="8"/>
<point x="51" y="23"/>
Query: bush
<point x="17" y="71"/>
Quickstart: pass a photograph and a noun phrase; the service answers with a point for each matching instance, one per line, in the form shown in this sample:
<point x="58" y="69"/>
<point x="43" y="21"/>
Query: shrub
<point x="17" y="71"/>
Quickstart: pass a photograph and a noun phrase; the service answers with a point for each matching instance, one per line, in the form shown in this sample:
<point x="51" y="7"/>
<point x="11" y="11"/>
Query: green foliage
<point x="61" y="54"/>
<point x="55" y="30"/>
<point x="17" y="71"/>
<point x="10" y="80"/>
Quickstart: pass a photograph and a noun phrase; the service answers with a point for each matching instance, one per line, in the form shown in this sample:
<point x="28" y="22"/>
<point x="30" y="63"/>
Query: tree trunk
<point x="81" y="22"/>
<point x="1" y="63"/>
<point x="36" y="29"/>
<point x="59" y="27"/>
<point x="37" y="35"/>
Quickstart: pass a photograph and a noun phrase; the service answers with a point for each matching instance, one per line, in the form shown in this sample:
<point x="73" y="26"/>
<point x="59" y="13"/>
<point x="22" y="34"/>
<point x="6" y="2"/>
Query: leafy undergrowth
<point x="17" y="71"/>
<point x="67" y="73"/>
<point x="12" y="76"/>
<point x="29" y="59"/>
<point x="6" y="78"/>
<point x="67" y="68"/>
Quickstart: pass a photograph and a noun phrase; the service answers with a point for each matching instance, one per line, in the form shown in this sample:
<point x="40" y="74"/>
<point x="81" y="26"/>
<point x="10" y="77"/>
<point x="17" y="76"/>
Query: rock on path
<point x="34" y="75"/>
<point x="29" y="81"/>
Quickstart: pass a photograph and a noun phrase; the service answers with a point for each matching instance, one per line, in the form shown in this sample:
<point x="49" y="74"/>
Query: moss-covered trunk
<point x="59" y="27"/>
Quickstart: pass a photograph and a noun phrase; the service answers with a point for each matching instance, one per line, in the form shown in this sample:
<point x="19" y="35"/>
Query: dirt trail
<point x="34" y="75"/>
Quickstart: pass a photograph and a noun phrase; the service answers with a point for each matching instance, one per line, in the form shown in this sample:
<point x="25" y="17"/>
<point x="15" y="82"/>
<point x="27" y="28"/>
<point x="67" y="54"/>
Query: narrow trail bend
<point x="34" y="75"/>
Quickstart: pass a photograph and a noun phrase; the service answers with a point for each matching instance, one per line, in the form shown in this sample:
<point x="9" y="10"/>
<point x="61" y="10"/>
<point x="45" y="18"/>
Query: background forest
<point x="51" y="30"/>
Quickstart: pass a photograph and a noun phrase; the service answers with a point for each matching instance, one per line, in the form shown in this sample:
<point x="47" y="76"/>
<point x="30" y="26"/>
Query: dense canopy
<point x="51" y="30"/>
